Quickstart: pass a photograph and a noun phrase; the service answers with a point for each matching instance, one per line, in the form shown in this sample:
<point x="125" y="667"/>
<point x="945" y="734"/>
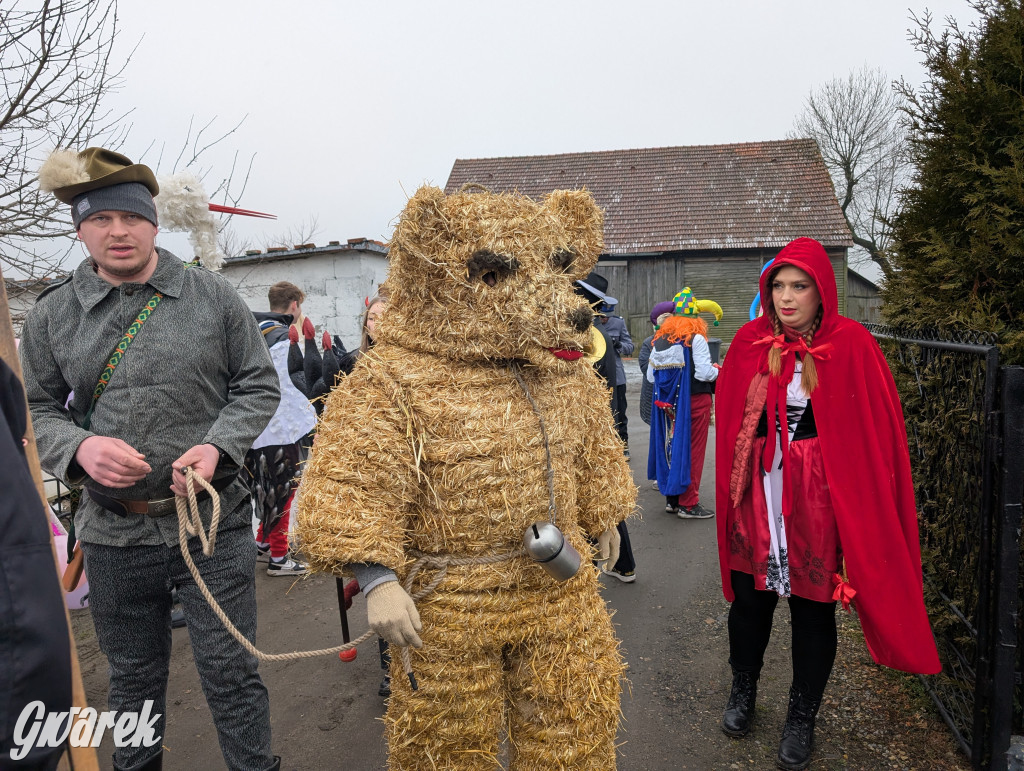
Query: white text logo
<point x="82" y="728"/>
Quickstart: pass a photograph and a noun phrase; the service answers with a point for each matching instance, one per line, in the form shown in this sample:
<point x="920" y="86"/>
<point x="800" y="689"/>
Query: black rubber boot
<point x="798" y="732"/>
<point x="739" y="712"/>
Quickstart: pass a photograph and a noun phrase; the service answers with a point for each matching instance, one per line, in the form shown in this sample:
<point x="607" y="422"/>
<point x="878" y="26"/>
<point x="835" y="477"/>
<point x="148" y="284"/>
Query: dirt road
<point x="326" y="714"/>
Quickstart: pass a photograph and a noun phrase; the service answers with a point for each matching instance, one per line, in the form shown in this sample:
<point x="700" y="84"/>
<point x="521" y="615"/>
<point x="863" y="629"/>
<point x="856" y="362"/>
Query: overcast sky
<point x="352" y="106"/>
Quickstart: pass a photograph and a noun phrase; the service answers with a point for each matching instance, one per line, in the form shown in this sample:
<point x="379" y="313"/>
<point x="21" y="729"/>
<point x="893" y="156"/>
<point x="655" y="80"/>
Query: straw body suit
<point x="440" y="444"/>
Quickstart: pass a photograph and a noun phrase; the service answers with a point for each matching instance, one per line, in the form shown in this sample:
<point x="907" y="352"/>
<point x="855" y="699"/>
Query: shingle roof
<point x="749" y="195"/>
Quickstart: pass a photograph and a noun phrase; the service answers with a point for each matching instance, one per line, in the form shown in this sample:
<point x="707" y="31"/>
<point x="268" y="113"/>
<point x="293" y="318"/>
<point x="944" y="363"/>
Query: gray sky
<point x="352" y="106"/>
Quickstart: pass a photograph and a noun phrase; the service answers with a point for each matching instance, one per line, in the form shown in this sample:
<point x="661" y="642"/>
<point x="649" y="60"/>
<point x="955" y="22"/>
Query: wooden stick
<point x="82" y="758"/>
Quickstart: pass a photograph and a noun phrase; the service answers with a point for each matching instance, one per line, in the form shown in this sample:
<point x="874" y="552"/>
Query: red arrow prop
<point x="244" y="212"/>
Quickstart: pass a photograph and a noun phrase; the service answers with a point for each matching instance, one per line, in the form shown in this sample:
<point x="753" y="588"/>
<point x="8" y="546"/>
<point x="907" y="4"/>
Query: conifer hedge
<point x="958" y="240"/>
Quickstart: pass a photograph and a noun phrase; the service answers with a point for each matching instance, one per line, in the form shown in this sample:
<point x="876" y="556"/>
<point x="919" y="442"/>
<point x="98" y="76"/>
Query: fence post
<point x="1007" y="556"/>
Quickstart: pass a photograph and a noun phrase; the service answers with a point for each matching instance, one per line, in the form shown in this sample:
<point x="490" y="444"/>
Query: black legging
<point x="814" y="634"/>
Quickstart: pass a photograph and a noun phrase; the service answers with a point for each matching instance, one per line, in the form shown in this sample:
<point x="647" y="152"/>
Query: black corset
<point x="805" y="428"/>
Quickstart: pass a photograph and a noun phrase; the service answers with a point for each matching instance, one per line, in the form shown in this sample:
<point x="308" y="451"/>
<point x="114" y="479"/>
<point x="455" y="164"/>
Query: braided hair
<point x="809" y="378"/>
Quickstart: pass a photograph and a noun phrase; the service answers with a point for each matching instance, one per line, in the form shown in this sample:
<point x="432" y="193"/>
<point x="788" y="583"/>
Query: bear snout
<point x="581" y="318"/>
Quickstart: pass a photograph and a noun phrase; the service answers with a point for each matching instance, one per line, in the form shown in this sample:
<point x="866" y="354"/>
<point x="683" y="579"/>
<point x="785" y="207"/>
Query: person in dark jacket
<point x="647" y="388"/>
<point x="625" y="567"/>
<point x="595" y="288"/>
<point x="34" y="641"/>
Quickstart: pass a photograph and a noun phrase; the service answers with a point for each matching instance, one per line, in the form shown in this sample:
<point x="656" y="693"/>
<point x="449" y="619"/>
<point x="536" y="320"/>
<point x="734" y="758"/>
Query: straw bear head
<point x="480" y="275"/>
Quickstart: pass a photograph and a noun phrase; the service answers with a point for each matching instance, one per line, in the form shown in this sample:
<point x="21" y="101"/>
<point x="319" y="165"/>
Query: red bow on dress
<point x="843" y="593"/>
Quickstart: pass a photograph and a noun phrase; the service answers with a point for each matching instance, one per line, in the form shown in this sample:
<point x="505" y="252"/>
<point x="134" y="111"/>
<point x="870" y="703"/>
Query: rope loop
<point x="189" y="523"/>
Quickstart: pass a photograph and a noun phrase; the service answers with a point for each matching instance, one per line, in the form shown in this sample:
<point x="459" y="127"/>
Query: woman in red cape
<point x="794" y="504"/>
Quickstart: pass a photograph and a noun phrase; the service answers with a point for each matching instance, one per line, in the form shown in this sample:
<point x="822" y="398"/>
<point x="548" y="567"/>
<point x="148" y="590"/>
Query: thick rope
<point x="441" y="562"/>
<point x="189" y="523"/>
<point x="514" y="367"/>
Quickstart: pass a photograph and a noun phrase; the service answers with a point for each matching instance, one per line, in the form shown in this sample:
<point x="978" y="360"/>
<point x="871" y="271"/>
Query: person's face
<point x="796" y="299"/>
<point x="372" y="317"/>
<point x="121" y="244"/>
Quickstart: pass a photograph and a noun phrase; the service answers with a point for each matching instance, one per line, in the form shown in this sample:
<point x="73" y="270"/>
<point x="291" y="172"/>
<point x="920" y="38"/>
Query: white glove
<point x="608" y="547"/>
<point x="393" y="615"/>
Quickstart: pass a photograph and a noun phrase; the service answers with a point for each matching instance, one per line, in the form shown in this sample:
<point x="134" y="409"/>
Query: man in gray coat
<point x="168" y="370"/>
<point x="595" y="288"/>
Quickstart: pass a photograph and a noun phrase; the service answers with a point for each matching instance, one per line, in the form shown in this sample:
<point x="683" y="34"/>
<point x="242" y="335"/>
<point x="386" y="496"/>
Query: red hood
<point x="810" y="256"/>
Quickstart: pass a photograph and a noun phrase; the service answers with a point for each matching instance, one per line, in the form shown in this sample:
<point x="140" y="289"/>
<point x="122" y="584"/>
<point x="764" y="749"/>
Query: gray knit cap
<point x="131" y="197"/>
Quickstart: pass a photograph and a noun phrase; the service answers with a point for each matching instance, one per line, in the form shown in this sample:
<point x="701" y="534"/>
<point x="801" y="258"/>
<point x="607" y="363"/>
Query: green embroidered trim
<point x="115" y="357"/>
<point x="119" y="351"/>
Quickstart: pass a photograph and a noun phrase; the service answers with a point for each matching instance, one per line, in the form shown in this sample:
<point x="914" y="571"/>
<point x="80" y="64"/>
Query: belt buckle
<point x="161" y="507"/>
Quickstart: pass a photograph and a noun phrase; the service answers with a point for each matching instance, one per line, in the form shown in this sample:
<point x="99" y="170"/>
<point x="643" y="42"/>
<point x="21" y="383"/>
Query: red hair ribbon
<point x="843" y="593"/>
<point x="822" y="352"/>
<point x="775" y="341"/>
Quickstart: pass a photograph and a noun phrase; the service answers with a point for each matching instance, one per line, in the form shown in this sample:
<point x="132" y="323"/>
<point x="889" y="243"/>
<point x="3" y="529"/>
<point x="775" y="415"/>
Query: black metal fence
<point x="965" y="426"/>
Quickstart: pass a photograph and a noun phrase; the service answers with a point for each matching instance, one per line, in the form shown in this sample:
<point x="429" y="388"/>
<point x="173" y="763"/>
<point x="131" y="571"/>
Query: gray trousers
<point x="130" y="599"/>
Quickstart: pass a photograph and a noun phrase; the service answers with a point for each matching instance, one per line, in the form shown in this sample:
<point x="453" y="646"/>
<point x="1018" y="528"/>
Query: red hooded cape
<point x="863" y="440"/>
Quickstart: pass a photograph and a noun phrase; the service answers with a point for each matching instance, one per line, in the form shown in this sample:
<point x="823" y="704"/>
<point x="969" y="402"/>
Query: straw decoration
<point x="432" y="446"/>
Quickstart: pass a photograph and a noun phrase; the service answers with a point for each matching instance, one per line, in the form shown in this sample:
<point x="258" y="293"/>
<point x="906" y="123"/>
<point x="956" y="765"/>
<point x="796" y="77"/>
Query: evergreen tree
<point x="958" y="241"/>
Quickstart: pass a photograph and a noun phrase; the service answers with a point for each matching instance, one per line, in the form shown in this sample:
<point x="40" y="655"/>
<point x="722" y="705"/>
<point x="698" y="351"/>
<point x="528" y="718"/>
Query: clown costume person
<point x="683" y="377"/>
<point x="812" y="469"/>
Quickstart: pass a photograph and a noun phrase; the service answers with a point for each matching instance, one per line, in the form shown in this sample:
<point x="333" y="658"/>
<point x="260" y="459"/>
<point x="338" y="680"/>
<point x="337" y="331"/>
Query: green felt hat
<point x="67" y="175"/>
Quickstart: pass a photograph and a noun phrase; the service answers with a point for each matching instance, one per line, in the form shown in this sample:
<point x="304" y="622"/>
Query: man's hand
<point x="111" y="462"/>
<point x="392" y="614"/>
<point x="203" y="459"/>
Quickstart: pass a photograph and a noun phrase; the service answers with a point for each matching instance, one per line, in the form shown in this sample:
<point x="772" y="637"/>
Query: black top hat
<point x="595" y="288"/>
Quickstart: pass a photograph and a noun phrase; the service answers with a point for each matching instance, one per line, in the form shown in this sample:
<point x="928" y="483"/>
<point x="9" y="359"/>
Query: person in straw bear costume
<point x="473" y="418"/>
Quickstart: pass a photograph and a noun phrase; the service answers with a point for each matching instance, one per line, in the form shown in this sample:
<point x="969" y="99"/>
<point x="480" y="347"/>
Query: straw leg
<point x="550" y="663"/>
<point x="565" y="692"/>
<point x="454" y="721"/>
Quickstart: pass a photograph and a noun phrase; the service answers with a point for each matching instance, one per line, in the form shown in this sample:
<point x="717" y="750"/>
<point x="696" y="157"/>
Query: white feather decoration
<point x="183" y="206"/>
<point x="62" y="169"/>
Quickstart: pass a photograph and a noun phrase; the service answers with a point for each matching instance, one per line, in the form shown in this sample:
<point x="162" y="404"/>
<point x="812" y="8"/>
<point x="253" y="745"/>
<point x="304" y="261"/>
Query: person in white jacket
<point x="681" y="342"/>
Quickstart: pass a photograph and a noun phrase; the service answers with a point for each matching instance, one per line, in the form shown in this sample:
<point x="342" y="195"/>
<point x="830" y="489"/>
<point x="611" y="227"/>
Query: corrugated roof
<point x="278" y="253"/>
<point x="738" y="196"/>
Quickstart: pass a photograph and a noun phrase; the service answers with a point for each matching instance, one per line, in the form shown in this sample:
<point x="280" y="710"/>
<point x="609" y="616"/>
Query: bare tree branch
<point x="858" y="126"/>
<point x="56" y="61"/>
<point x="295" y="236"/>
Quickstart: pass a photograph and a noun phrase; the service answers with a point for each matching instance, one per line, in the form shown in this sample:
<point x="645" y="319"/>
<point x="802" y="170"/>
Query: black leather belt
<point x="160" y="507"/>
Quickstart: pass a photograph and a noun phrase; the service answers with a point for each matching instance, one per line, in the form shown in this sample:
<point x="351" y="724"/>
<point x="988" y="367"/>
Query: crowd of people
<point x="792" y="465"/>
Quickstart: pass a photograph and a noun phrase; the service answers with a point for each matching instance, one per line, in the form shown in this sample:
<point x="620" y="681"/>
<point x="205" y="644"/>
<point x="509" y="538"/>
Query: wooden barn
<point x="708" y="217"/>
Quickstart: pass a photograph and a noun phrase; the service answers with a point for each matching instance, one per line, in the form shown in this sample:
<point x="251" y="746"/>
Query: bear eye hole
<point x="490" y="267"/>
<point x="563" y="259"/>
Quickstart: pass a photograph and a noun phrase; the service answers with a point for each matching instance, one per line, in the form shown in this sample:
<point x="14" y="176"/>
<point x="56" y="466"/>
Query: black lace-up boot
<point x="798" y="732"/>
<point x="739" y="712"/>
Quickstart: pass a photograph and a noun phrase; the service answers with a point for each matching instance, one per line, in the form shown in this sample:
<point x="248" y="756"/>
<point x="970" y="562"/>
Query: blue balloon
<point x="757" y="298"/>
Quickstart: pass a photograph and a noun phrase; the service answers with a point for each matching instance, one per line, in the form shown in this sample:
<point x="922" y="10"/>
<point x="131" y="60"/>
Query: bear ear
<point x="423" y="221"/>
<point x="583" y="222"/>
